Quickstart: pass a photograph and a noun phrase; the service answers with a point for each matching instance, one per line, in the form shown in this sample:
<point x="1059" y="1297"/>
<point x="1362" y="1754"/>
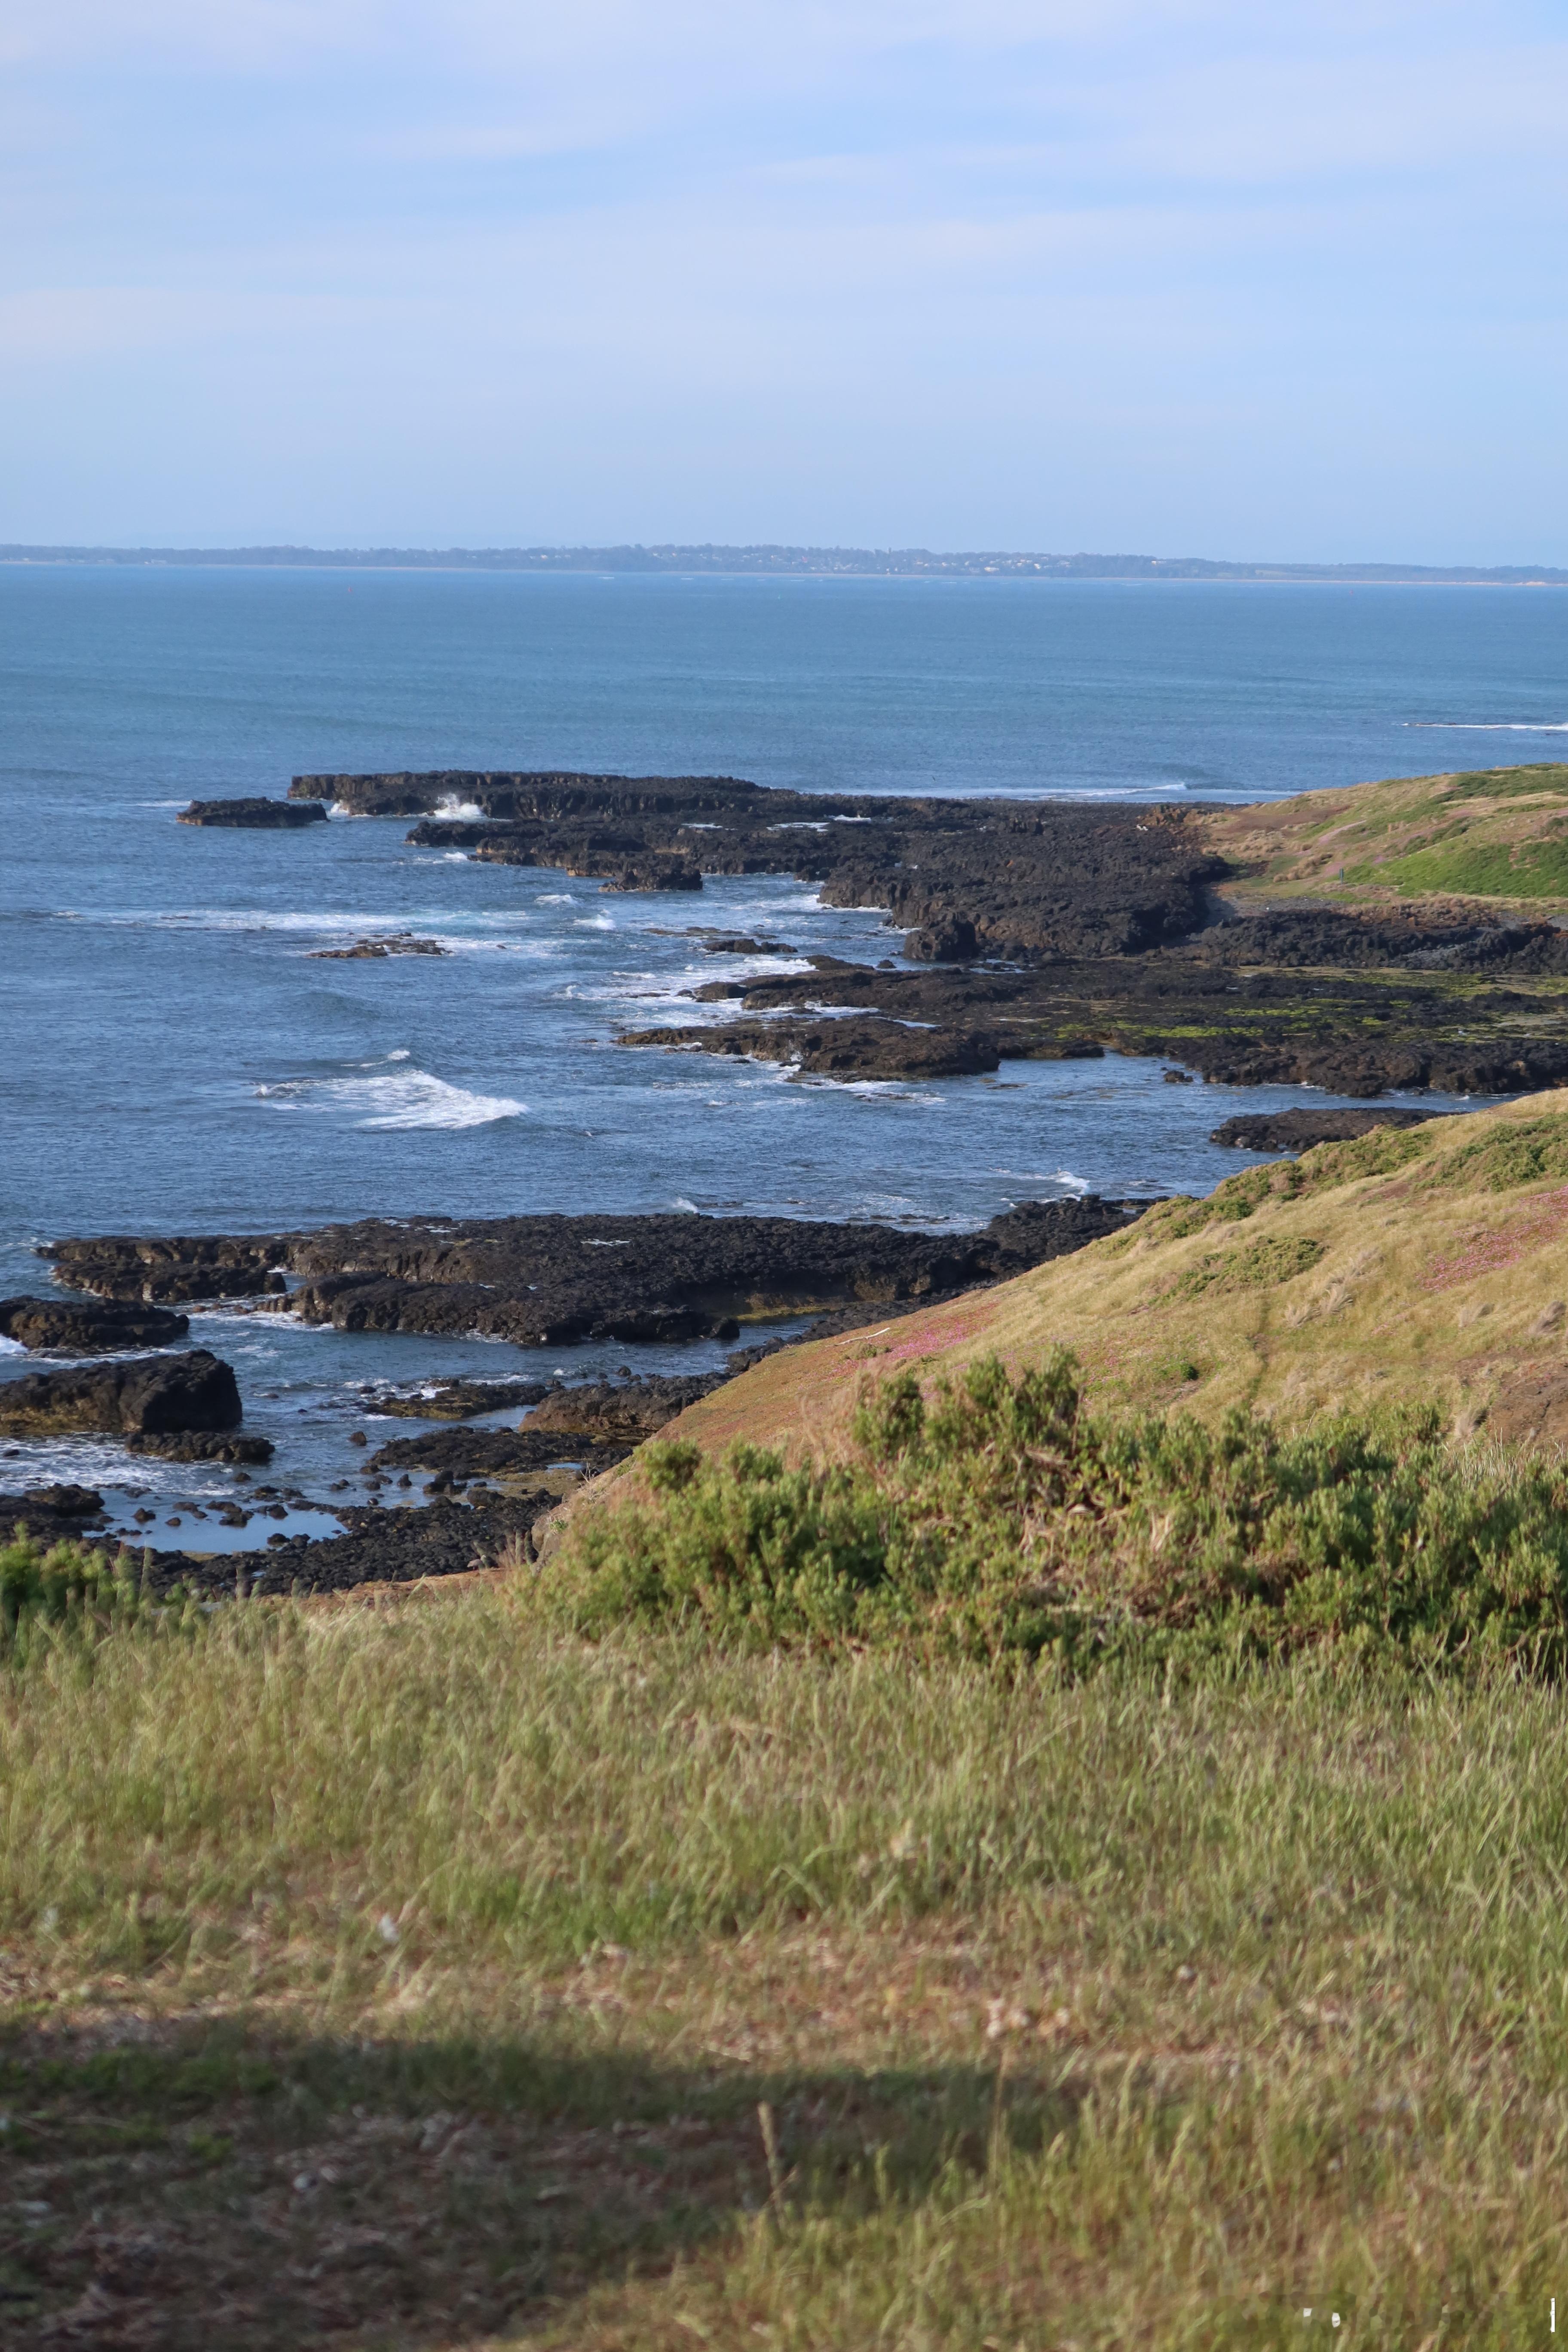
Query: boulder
<point x="80" y="1326"/>
<point x="152" y="1395"/>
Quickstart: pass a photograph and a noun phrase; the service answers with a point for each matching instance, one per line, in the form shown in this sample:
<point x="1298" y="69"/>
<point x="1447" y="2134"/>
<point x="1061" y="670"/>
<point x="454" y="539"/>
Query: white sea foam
<point x="557" y="899"/>
<point x="400" y="1098"/>
<point x="1074" y="1183"/>
<point x="453" y="807"/>
<point x="593" y="923"/>
<point x="1490" y="726"/>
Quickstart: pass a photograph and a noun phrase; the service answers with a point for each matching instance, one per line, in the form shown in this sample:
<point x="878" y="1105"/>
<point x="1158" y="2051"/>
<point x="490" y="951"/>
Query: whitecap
<point x="1490" y="726"/>
<point x="593" y="923"/>
<point x="1074" y="1183"/>
<point x="451" y="806"/>
<point x="402" y="1099"/>
<point x="557" y="899"/>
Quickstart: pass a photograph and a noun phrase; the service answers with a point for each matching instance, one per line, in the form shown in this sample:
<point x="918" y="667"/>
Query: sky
<point x="1169" y="276"/>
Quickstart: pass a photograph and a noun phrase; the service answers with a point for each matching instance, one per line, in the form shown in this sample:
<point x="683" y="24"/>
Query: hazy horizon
<point x="1023" y="274"/>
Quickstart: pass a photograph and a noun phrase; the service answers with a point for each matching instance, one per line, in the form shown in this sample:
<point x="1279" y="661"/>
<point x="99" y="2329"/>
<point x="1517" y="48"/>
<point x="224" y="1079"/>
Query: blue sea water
<point x="175" y="1060"/>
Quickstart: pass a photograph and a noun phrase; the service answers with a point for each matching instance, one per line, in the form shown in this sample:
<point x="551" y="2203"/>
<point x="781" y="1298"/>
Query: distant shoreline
<point x="790" y="562"/>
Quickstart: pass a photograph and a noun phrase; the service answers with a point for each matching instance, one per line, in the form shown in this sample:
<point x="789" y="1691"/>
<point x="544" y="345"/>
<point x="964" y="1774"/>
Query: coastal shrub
<point x="1262" y="1265"/>
<point x="63" y="1585"/>
<point x="999" y="1519"/>
<point x="1513" y="1153"/>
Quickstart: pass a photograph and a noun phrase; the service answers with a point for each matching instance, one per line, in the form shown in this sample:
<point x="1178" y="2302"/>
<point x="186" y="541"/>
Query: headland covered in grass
<point x="1492" y="834"/>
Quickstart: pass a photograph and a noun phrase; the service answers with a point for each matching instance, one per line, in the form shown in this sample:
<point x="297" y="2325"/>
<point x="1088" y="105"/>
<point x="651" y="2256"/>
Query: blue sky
<point x="1172" y="275"/>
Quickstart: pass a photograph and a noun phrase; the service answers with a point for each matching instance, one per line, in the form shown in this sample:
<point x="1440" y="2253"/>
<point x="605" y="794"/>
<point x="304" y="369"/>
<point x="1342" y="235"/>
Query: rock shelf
<point x="549" y="1280"/>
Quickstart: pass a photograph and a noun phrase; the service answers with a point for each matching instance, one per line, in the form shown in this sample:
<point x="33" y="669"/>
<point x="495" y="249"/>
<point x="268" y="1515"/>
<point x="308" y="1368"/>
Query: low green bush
<point x="1001" y="1518"/>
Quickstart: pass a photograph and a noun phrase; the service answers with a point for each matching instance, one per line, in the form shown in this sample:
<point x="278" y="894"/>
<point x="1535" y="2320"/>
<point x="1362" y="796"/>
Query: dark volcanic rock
<point x="845" y="1047"/>
<point x="645" y="870"/>
<point x="456" y="1400"/>
<point x="76" y="1328"/>
<point x="399" y="943"/>
<point x="741" y="943"/>
<point x="1421" y="938"/>
<point x="620" y="1413"/>
<point x="199" y="1265"/>
<point x="53" y="1514"/>
<point x="379" y="1547"/>
<point x="1025" y="882"/>
<point x="153" y="1394"/>
<point x="547" y="1280"/>
<point x="1298" y="1130"/>
<point x="275" y="817"/>
<point x="548" y="795"/>
<point x="203" y="1446"/>
<point x="498" y="1453"/>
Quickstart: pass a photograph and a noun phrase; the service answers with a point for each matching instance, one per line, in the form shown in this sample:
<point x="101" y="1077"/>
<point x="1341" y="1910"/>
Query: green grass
<point x="1531" y="869"/>
<point x="1118" y="2013"/>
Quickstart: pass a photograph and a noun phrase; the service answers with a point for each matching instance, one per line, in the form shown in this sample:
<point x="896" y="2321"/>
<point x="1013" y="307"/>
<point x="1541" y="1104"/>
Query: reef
<point x="1298" y="1130"/>
<point x="259" y="815"/>
<point x="549" y="1280"/>
<point x="1048" y="929"/>
<point x="396" y="943"/>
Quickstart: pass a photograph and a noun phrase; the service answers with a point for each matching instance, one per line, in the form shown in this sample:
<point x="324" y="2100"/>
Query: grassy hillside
<point x="1497" y="833"/>
<point x="1431" y="1264"/>
<point x="409" y="1973"/>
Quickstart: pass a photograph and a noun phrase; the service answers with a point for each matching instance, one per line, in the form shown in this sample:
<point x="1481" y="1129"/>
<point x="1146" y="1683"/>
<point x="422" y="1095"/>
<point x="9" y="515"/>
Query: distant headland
<point x="815" y="562"/>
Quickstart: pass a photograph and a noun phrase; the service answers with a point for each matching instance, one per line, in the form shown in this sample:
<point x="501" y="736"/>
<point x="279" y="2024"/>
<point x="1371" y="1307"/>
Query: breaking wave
<point x="394" y="1098"/>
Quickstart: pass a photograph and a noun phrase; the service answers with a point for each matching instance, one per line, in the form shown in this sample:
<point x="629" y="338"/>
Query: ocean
<point x="177" y="1061"/>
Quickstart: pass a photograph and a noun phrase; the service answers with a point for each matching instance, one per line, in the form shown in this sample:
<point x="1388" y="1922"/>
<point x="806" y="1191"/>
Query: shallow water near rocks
<point x="177" y="1060"/>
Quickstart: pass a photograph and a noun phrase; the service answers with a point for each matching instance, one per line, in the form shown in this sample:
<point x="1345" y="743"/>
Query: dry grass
<point x="409" y="1977"/>
<point x="1425" y="1281"/>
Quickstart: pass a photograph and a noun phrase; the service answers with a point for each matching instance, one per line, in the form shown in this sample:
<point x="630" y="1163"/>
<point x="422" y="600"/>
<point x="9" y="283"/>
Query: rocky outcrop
<point x="256" y="814"/>
<point x="631" y="869"/>
<point x="1033" y="929"/>
<point x="548" y="1280"/>
<point x="1420" y="938"/>
<point x="152" y="1395"/>
<point x="396" y="943"/>
<point x="844" y="1048"/>
<point x="198" y="1265"/>
<point x="74" y="1327"/>
<point x="1298" y="1130"/>
<point x="464" y="1453"/>
<point x="455" y="1400"/>
<point x="54" y="1514"/>
<point x="741" y="943"/>
<point x="998" y="879"/>
<point x="619" y="1412"/>
<point x="379" y="1545"/>
<point x="203" y="1446"/>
